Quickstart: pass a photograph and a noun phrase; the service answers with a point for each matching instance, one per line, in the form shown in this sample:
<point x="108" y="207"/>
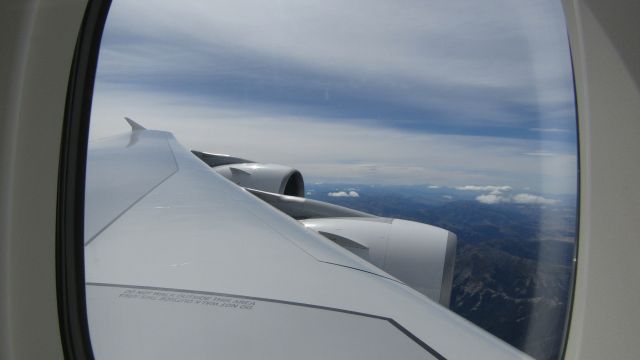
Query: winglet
<point x="134" y="125"/>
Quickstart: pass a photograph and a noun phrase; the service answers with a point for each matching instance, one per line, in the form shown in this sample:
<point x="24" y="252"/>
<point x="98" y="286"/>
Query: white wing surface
<point x="182" y="263"/>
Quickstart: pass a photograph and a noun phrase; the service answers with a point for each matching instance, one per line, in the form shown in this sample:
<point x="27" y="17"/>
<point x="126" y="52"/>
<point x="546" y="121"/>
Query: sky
<point x="437" y="92"/>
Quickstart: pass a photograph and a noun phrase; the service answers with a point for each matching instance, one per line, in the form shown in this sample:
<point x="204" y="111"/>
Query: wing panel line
<point x="402" y="329"/>
<point x="140" y="198"/>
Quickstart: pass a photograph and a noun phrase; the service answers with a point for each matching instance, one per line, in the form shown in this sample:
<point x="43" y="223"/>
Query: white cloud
<point x="492" y="199"/>
<point x="344" y="194"/>
<point x="495" y="189"/>
<point x="518" y="199"/>
<point x="533" y="199"/>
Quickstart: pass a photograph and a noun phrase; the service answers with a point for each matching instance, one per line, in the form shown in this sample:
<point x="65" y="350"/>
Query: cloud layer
<point x="438" y="92"/>
<point x="448" y="66"/>
<point x="330" y="152"/>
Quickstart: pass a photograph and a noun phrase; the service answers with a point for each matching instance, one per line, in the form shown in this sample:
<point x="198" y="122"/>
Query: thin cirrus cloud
<point x="552" y="130"/>
<point x="415" y="78"/>
<point x="539" y="153"/>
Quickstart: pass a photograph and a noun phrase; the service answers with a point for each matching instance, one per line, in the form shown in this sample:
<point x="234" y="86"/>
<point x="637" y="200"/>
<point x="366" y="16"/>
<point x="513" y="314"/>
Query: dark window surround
<point x="70" y="282"/>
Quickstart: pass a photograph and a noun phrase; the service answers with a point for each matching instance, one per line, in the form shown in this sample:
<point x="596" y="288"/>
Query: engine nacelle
<point x="422" y="256"/>
<point x="267" y="177"/>
<point x="272" y="178"/>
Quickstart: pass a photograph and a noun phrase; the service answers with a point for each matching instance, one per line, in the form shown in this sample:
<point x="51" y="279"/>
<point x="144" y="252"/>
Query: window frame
<point x="70" y="281"/>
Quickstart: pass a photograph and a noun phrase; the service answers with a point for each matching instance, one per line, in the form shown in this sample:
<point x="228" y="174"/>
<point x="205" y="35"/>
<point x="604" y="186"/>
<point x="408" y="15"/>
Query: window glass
<point x="457" y="114"/>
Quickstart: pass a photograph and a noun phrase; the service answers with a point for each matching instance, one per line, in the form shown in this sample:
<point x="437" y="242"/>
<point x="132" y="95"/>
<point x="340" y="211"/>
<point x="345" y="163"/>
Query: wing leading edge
<point x="182" y="262"/>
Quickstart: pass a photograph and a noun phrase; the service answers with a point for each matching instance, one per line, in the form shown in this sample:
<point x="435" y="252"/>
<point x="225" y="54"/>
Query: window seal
<point x="574" y="267"/>
<point x="70" y="281"/>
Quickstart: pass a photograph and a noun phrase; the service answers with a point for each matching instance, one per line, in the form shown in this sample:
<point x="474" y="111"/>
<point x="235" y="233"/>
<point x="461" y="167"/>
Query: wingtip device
<point x="134" y="125"/>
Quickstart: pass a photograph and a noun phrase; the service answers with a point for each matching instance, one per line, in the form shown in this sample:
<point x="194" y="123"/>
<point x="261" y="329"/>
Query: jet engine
<point x="272" y="178"/>
<point x="420" y="255"/>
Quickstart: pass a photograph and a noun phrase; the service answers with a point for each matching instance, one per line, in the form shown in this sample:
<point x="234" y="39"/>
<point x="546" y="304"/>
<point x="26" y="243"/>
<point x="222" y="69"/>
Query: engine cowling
<point x="272" y="178"/>
<point x="420" y="255"/>
<point x="267" y="177"/>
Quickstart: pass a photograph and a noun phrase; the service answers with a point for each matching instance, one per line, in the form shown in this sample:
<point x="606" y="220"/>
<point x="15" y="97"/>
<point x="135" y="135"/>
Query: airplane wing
<point x="182" y="263"/>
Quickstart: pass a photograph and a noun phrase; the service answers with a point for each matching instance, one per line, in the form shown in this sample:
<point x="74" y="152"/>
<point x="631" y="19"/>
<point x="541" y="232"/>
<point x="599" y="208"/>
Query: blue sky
<point x="440" y="92"/>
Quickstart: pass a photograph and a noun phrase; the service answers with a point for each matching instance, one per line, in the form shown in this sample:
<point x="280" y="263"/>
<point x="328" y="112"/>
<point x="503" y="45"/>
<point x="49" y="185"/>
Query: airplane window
<point x="356" y="165"/>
